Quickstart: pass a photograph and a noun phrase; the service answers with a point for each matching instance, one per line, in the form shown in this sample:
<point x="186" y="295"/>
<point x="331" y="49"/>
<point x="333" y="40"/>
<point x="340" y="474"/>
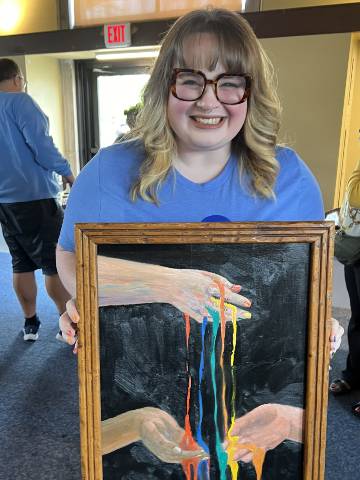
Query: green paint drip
<point x="220" y="452"/>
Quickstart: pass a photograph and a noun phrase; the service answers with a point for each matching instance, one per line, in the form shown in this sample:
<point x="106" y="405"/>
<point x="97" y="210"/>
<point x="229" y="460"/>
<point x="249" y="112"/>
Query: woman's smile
<point x="207" y="122"/>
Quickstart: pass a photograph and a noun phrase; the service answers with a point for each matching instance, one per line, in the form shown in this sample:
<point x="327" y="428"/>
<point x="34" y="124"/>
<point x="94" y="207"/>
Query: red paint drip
<point x="189" y="466"/>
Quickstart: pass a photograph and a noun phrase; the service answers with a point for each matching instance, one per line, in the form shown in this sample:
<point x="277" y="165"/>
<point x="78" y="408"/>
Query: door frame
<point x="86" y="75"/>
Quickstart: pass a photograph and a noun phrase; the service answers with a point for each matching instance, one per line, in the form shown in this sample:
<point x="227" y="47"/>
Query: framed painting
<point x="203" y="350"/>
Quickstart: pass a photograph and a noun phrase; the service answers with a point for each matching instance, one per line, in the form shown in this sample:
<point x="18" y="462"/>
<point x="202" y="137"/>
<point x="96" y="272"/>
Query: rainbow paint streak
<point x="194" y="468"/>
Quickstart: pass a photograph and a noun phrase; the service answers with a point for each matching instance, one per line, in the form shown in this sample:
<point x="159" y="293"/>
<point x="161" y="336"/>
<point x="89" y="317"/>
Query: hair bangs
<point x="220" y="47"/>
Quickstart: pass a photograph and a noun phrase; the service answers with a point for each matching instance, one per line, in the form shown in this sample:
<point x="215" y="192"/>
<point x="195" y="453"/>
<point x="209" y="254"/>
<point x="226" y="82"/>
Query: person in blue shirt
<point x="30" y="216"/>
<point x="204" y="148"/>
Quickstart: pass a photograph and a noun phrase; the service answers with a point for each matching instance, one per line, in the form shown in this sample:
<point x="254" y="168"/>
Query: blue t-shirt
<point x="28" y="156"/>
<point x="101" y="194"/>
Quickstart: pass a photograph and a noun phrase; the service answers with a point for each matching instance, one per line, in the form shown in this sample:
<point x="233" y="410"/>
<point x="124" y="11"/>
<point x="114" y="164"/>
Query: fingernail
<point x="177" y="450"/>
<point x="236" y="287"/>
<point x="247" y="303"/>
<point x="246" y="315"/>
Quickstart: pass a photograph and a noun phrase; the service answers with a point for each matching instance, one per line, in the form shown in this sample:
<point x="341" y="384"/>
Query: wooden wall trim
<point x="274" y="23"/>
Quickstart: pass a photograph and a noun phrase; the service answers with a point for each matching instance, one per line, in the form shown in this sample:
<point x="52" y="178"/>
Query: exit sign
<point x="117" y="35"/>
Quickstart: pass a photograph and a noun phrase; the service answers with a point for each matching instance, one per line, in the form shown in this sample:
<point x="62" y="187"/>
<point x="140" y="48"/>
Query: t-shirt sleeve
<point x="34" y="126"/>
<point x="310" y="201"/>
<point x="83" y="204"/>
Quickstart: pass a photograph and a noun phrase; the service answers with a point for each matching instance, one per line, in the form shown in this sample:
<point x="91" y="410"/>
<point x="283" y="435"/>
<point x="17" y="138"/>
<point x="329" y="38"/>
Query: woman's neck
<point x="201" y="167"/>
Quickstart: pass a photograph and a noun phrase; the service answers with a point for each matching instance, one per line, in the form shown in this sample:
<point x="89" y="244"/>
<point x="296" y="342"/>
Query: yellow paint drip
<point x="233" y="445"/>
<point x="233" y="440"/>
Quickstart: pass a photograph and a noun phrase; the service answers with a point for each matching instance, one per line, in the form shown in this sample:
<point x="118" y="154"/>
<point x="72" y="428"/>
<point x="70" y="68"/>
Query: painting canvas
<point x="237" y="392"/>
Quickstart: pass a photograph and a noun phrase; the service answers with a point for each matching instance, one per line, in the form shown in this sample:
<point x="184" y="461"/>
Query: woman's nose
<point x="208" y="100"/>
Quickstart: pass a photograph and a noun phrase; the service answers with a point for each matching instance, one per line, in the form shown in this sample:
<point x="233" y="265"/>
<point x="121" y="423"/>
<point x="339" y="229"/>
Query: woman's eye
<point x="230" y="85"/>
<point x="190" y="82"/>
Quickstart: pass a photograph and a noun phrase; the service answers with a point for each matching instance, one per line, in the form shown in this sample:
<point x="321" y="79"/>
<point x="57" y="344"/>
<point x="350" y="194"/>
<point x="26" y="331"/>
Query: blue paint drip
<point x="220" y="452"/>
<point x="203" y="470"/>
<point x="203" y="467"/>
<point x="199" y="438"/>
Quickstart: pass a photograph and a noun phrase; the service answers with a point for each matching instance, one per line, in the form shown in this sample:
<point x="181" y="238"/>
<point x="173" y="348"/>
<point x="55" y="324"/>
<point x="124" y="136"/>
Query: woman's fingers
<point x="68" y="324"/>
<point x="336" y="334"/>
<point x="72" y="310"/>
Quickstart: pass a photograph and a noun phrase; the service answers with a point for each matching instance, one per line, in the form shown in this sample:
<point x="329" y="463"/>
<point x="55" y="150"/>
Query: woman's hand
<point x="336" y="334"/>
<point x="68" y="324"/>
<point x="158" y="431"/>
<point x="265" y="427"/>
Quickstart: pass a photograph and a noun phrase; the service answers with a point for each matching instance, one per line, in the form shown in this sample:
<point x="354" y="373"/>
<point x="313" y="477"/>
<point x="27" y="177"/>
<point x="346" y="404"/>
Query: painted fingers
<point x="162" y="436"/>
<point x="198" y="293"/>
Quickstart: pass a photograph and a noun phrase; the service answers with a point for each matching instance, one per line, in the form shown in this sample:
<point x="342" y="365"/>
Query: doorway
<point x="104" y="93"/>
<point x="117" y="94"/>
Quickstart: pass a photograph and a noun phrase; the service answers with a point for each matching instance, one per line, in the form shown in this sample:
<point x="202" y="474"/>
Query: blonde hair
<point x="239" y="50"/>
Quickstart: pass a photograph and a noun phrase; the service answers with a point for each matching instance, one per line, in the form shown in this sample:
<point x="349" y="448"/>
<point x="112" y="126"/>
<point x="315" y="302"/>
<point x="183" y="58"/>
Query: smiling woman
<point x="204" y="145"/>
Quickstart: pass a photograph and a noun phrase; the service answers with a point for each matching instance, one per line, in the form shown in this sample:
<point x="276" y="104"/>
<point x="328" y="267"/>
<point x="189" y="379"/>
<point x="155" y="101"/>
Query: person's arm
<point x="66" y="267"/>
<point x="34" y="126"/>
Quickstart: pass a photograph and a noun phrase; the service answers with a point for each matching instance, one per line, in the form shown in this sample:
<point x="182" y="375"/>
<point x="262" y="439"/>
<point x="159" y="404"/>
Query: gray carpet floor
<point x="39" y="418"/>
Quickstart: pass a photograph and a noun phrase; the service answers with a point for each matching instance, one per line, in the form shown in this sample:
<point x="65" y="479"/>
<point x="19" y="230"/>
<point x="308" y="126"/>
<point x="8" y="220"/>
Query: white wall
<point x="44" y="85"/>
<point x="311" y="73"/>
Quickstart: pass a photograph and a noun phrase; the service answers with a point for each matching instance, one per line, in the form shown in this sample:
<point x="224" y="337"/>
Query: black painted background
<point x="143" y="353"/>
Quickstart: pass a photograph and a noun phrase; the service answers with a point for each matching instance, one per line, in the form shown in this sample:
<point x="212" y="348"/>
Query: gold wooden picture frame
<point x="286" y="271"/>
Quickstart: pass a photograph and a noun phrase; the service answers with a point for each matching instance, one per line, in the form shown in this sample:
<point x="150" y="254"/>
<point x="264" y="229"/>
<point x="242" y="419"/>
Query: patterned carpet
<point x="39" y="422"/>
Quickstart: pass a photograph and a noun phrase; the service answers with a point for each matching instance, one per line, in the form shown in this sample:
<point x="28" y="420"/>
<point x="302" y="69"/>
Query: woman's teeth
<point x="208" y="121"/>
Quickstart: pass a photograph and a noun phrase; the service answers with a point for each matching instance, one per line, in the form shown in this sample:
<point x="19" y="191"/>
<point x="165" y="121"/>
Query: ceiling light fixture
<point x="129" y="53"/>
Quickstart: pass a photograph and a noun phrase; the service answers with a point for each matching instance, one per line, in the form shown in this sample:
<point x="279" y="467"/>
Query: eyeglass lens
<point x="190" y="86"/>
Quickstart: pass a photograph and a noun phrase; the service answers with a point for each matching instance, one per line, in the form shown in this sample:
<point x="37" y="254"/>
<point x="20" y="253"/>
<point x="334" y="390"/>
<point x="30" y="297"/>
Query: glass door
<point x="105" y="92"/>
<point x="118" y="97"/>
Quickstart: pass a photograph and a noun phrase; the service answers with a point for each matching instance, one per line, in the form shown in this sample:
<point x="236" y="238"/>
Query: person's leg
<point x="26" y="291"/>
<point x="348" y="380"/>
<point x="352" y="371"/>
<point x="57" y="292"/>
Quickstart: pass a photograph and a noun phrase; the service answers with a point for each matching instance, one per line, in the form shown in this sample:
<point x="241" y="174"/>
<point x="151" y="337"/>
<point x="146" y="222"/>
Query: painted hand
<point x="196" y="292"/>
<point x="264" y="428"/>
<point x="161" y="434"/>
<point x="123" y="282"/>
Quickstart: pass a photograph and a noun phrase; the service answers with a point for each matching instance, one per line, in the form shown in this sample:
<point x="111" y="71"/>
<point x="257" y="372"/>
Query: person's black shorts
<point x="31" y="231"/>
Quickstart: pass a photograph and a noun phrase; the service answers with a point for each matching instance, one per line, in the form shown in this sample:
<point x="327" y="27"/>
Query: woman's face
<point x="204" y="124"/>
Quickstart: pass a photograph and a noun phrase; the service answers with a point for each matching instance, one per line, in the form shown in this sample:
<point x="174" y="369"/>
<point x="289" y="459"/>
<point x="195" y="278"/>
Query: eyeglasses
<point x="23" y="79"/>
<point x="189" y="85"/>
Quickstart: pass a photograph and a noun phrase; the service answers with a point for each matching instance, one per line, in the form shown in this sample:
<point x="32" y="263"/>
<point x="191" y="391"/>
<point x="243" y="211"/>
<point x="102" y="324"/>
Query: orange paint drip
<point x="189" y="466"/>
<point x="258" y="453"/>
